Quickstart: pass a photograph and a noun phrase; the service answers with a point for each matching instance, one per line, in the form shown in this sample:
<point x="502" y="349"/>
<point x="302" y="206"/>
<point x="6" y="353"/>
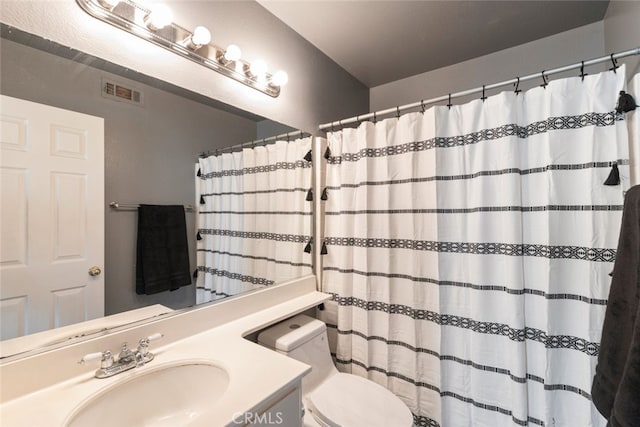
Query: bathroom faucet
<point x="127" y="358"/>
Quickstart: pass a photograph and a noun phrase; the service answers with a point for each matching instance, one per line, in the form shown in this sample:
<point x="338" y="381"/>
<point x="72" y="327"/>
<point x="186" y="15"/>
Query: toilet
<point x="332" y="398"/>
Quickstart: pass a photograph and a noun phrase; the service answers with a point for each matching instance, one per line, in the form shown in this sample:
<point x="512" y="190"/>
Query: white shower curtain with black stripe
<point x="469" y="250"/>
<point x="253" y="219"/>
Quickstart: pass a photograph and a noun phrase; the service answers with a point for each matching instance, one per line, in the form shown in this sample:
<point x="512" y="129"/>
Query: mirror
<point x="151" y="146"/>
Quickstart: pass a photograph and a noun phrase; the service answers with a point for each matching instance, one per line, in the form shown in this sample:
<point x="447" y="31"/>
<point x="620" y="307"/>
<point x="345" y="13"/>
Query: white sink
<point x="169" y="395"/>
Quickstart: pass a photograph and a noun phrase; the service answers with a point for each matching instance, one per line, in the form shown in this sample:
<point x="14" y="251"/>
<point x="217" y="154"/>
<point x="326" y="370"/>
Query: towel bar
<point x="126" y="206"/>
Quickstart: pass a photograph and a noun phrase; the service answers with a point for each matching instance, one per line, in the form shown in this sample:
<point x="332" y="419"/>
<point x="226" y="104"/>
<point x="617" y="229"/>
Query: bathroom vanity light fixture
<point x="155" y="25"/>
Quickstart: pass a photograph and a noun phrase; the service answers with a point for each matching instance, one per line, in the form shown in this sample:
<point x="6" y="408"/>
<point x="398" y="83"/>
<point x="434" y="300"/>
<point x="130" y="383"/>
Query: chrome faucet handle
<point x="106" y="359"/>
<point x="143" y="346"/>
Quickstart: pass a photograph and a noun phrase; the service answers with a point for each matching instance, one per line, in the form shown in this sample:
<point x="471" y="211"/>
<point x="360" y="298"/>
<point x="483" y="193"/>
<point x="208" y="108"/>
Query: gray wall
<point x="268" y="128"/>
<point x="149" y="152"/>
<point x="619" y="31"/>
<point x="561" y="49"/>
<point x="622" y="30"/>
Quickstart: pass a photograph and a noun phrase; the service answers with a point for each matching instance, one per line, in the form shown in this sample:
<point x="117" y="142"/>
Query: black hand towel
<point x="162" y="253"/>
<point x="616" y="386"/>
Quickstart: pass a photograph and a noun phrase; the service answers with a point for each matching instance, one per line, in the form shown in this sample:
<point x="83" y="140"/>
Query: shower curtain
<point x="469" y="250"/>
<point x="253" y="219"/>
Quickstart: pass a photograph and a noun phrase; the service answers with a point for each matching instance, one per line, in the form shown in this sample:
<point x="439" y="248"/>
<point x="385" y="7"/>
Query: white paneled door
<point x="51" y="217"/>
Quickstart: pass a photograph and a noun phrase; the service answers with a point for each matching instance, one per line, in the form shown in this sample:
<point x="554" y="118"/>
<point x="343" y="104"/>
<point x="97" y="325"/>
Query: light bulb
<point x="159" y="17"/>
<point x="280" y="78"/>
<point x="201" y="36"/>
<point x="258" y="68"/>
<point x="232" y="53"/>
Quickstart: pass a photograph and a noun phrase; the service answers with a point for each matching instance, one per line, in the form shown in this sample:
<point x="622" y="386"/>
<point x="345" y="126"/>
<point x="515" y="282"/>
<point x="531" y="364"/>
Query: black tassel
<point x="199" y="173"/>
<point x="614" y="176"/>
<point x="308" y="157"/>
<point x="324" y="194"/>
<point x="327" y="153"/>
<point x="323" y="250"/>
<point x="198" y="236"/>
<point x="626" y="103"/>
<point x="202" y="202"/>
<point x="307" y="248"/>
<point x="309" y="195"/>
<point x="195" y="273"/>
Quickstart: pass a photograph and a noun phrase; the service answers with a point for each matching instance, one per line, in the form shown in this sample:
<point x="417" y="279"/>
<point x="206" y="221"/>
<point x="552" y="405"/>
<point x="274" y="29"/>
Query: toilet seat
<point x="346" y="400"/>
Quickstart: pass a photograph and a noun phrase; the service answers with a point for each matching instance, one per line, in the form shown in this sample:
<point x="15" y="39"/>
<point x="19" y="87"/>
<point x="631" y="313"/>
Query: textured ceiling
<point x="383" y="41"/>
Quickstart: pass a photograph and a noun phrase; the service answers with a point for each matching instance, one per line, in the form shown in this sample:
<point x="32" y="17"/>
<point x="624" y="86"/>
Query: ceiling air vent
<point x="119" y="92"/>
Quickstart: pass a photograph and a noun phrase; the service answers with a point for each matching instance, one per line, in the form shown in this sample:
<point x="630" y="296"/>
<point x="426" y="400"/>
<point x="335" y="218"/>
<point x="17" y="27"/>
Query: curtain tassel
<point x="202" y="202"/>
<point x="614" y="176"/>
<point x="324" y="194"/>
<point x="323" y="250"/>
<point x="198" y="236"/>
<point x="308" y="156"/>
<point x="199" y="172"/>
<point x="307" y="248"/>
<point x="327" y="153"/>
<point x="626" y="103"/>
<point x="195" y="273"/>
<point x="309" y="197"/>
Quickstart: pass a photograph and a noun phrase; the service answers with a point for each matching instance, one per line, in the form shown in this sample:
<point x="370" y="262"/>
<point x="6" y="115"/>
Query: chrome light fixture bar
<point x="137" y="20"/>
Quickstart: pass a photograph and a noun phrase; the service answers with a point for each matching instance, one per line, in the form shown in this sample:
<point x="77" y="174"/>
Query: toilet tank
<point x="305" y="339"/>
<point x="292" y="333"/>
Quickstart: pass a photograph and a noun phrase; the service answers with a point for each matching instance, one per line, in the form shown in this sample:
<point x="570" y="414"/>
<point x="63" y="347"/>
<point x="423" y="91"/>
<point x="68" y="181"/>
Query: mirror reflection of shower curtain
<point x="469" y="250"/>
<point x="255" y="221"/>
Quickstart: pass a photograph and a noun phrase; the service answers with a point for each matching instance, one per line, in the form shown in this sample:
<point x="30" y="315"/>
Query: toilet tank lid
<point x="291" y="333"/>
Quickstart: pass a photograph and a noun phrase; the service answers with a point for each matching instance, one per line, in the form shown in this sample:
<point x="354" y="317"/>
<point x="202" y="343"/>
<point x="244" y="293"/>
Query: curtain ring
<point x="517" y="91"/>
<point x="398" y="112"/>
<point x="582" y="74"/>
<point x="422" y="106"/>
<point x="375" y="119"/>
<point x="301" y="134"/>
<point x="483" y="94"/>
<point x="545" y="82"/>
<point x="615" y="64"/>
<point x="449" y="103"/>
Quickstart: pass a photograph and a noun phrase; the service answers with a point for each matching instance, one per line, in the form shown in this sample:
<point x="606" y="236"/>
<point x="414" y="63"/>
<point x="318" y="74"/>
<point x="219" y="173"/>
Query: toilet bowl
<point x="332" y="398"/>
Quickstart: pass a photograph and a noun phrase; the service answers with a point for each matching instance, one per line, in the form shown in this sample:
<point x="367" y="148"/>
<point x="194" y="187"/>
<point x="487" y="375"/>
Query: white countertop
<point x="66" y="333"/>
<point x="255" y="373"/>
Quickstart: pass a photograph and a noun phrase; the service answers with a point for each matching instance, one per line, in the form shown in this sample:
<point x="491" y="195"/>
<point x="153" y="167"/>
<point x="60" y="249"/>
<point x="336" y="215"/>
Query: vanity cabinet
<point x="284" y="410"/>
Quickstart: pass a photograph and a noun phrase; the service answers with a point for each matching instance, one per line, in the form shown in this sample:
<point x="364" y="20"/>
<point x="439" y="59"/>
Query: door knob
<point x="95" y="271"/>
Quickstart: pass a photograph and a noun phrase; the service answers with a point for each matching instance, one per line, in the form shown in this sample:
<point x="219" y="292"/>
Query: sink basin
<point x="168" y="395"/>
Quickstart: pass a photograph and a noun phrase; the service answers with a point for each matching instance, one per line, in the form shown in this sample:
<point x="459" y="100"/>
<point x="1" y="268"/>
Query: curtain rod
<point x="255" y="143"/>
<point x="543" y="74"/>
